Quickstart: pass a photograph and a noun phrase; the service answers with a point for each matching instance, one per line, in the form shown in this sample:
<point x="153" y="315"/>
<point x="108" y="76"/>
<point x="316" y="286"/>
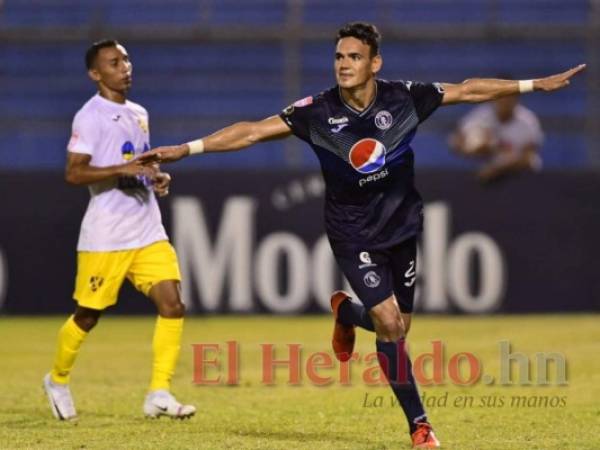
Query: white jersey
<point x="122" y="214"/>
<point x="514" y="136"/>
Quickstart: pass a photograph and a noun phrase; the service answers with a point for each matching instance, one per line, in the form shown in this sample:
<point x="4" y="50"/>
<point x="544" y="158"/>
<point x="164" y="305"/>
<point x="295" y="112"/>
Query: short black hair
<point x="365" y="32"/>
<point x="92" y="52"/>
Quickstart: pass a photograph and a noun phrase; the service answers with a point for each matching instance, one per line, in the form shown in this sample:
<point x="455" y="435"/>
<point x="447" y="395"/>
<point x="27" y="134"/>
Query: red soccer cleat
<point x="423" y="437"/>
<point x="343" y="335"/>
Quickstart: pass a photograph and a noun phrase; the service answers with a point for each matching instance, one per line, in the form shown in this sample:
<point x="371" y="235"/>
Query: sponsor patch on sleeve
<point x="299" y="103"/>
<point x="303" y="101"/>
<point x="288" y="111"/>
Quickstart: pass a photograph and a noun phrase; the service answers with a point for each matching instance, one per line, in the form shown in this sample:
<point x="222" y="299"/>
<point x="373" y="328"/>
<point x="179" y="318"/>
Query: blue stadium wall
<point x="193" y="88"/>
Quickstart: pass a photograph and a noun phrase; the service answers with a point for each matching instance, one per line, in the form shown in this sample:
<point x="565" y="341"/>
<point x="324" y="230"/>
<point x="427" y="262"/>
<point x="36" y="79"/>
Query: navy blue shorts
<point x="375" y="275"/>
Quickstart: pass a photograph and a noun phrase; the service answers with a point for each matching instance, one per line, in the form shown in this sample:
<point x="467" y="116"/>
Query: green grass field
<point x="110" y="378"/>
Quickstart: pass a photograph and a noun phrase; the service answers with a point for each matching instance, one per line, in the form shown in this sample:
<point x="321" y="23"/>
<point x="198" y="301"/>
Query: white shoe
<point x="162" y="403"/>
<point x="61" y="401"/>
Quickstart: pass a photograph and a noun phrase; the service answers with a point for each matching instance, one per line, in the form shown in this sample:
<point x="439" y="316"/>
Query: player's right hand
<point x="133" y="168"/>
<point x="165" y="154"/>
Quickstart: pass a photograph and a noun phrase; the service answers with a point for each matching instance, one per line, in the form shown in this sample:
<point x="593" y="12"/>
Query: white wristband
<point x="196" y="146"/>
<point x="525" y="86"/>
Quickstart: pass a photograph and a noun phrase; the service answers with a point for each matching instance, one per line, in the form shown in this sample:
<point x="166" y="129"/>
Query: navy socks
<point x="396" y="365"/>
<point x="350" y="313"/>
<point x="394" y="362"/>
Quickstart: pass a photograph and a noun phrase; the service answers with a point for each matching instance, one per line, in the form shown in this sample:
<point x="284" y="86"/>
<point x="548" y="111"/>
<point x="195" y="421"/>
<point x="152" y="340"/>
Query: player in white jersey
<point x="121" y="234"/>
<point x="506" y="134"/>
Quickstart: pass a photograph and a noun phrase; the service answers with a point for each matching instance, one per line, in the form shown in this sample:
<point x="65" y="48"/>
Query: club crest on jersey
<point x="367" y="155"/>
<point x="383" y="120"/>
<point x="127" y="150"/>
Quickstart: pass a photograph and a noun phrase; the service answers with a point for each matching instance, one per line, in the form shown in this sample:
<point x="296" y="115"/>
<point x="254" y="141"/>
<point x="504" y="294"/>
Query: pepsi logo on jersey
<point x="367" y="155"/>
<point x="374" y="177"/>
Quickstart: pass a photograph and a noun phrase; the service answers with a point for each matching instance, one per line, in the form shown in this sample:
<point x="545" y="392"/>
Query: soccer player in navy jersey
<point x="361" y="130"/>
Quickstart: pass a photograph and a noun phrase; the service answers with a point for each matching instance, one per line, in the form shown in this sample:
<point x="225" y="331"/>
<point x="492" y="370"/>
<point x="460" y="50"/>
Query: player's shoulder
<point x="413" y="86"/>
<point x="393" y="84"/>
<point x="136" y="107"/>
<point x="397" y="89"/>
<point x="316" y="100"/>
<point x="89" y="110"/>
<point x="307" y="105"/>
<point x="524" y="114"/>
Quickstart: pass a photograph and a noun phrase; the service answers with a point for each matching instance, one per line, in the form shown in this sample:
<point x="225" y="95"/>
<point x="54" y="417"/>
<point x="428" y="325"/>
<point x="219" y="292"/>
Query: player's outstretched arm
<point x="478" y="90"/>
<point x="235" y="137"/>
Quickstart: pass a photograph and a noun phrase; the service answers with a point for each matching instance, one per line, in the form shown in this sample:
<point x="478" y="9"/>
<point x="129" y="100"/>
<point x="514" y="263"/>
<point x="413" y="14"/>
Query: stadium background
<point x="249" y="232"/>
<point x="528" y="244"/>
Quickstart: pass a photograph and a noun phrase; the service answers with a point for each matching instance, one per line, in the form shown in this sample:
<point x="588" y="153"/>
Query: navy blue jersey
<point x="367" y="162"/>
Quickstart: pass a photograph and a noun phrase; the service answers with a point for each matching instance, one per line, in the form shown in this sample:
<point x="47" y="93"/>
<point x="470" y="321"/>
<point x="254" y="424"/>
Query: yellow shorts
<point x="101" y="274"/>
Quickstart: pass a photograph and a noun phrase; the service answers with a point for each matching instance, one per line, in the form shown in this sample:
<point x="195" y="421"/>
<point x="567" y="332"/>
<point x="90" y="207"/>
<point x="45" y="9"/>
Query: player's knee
<point x="389" y="329"/>
<point x="178" y="309"/>
<point x="86" y="321"/>
<point x="172" y="308"/>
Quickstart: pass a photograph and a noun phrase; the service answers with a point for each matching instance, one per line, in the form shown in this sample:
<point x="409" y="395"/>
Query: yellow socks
<point x="70" y="337"/>
<point x="165" y="345"/>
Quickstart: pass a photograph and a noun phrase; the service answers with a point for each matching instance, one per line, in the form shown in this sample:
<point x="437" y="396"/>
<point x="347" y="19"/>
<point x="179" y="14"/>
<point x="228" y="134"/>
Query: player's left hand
<point x="161" y="183"/>
<point x="558" y="81"/>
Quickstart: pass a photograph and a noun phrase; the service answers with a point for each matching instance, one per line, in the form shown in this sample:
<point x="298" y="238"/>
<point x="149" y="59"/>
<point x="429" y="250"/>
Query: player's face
<point x="112" y="69"/>
<point x="354" y="66"/>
